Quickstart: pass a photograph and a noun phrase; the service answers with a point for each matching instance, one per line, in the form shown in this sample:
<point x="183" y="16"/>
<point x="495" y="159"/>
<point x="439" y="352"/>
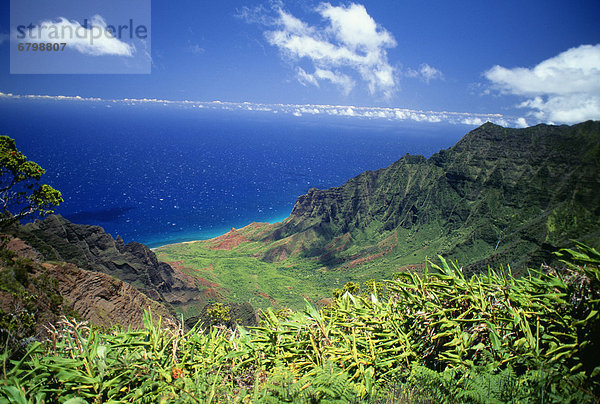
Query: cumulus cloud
<point x="564" y="88"/>
<point x="571" y="108"/>
<point x="521" y="123"/>
<point x="95" y="39"/>
<point x="350" y="44"/>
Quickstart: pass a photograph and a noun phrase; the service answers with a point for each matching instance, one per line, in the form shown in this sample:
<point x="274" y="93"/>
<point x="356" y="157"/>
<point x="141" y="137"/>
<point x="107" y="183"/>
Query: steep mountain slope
<point x="509" y="195"/>
<point x="499" y="196"/>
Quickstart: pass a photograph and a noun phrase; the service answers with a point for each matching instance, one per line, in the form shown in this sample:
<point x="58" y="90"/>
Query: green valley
<point x="498" y="197"/>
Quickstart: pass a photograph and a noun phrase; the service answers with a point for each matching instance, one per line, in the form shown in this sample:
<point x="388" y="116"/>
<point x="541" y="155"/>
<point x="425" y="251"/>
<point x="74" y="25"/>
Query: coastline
<point x="194" y="237"/>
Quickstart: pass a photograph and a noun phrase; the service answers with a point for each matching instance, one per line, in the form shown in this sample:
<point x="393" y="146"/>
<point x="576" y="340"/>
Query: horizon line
<point x="298" y="110"/>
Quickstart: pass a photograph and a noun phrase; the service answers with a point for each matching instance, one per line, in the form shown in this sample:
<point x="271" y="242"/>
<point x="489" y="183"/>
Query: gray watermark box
<point x="80" y="37"/>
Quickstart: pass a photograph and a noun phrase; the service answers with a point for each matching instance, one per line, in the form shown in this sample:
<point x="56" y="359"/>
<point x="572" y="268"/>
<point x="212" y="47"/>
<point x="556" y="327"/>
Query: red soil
<point x="331" y="248"/>
<point x="185" y="278"/>
<point x="412" y="267"/>
<point x="207" y="283"/>
<point x="229" y="240"/>
<point x="326" y="301"/>
<point x="267" y="297"/>
<point x="361" y="261"/>
<point x="191" y="280"/>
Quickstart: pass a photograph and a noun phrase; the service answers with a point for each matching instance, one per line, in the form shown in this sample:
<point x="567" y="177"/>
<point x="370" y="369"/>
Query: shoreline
<point x="193" y="239"/>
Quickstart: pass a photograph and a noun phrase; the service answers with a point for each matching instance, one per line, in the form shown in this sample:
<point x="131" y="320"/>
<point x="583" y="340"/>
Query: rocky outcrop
<point x="91" y="248"/>
<point x="35" y="294"/>
<point x="103" y="300"/>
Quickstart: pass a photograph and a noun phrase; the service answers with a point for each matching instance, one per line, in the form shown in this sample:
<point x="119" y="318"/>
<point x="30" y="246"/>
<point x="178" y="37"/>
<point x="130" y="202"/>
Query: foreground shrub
<point x="439" y="336"/>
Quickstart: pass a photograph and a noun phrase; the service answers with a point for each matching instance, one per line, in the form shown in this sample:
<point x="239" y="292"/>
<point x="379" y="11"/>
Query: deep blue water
<point x="160" y="174"/>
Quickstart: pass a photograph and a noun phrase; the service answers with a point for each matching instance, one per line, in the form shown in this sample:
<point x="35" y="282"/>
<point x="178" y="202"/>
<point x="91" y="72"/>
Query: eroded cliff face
<point x="53" y="289"/>
<point x="102" y="299"/>
<point x="91" y="248"/>
<point x="499" y="195"/>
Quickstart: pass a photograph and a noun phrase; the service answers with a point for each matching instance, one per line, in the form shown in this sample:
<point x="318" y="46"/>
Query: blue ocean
<point x="160" y="174"/>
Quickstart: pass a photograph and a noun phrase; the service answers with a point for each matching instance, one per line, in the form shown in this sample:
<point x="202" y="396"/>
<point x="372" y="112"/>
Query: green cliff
<point x="507" y="195"/>
<point x="499" y="196"/>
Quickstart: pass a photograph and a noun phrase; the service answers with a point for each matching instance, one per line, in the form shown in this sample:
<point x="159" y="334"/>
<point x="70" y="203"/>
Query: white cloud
<point x="472" y="121"/>
<point x="430" y="73"/>
<point x="570" y="108"/>
<point x="564" y="88"/>
<point x="96" y="39"/>
<point x="425" y="73"/>
<point x="351" y="111"/>
<point x="521" y="123"/>
<point x="256" y="15"/>
<point x="340" y="79"/>
<point x="355" y="28"/>
<point x="306" y="78"/>
<point x="350" y="43"/>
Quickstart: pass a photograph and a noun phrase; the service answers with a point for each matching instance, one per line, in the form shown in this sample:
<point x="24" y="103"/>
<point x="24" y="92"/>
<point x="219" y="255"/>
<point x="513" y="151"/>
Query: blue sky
<point x="533" y="61"/>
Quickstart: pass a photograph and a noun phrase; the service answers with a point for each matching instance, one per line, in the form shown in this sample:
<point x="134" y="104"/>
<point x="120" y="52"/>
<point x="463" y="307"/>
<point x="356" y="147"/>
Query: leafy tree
<point x="21" y="193"/>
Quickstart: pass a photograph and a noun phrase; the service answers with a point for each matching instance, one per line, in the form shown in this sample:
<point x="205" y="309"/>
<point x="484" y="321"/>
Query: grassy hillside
<point x="238" y="274"/>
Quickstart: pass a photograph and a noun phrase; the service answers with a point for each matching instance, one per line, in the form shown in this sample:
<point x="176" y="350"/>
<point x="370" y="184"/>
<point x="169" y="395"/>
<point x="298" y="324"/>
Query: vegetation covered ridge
<point x="499" y="196"/>
<point x="437" y="336"/>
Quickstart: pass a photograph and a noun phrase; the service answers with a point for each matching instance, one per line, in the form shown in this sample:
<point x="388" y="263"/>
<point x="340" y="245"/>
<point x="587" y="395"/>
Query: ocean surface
<point x="161" y="174"/>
